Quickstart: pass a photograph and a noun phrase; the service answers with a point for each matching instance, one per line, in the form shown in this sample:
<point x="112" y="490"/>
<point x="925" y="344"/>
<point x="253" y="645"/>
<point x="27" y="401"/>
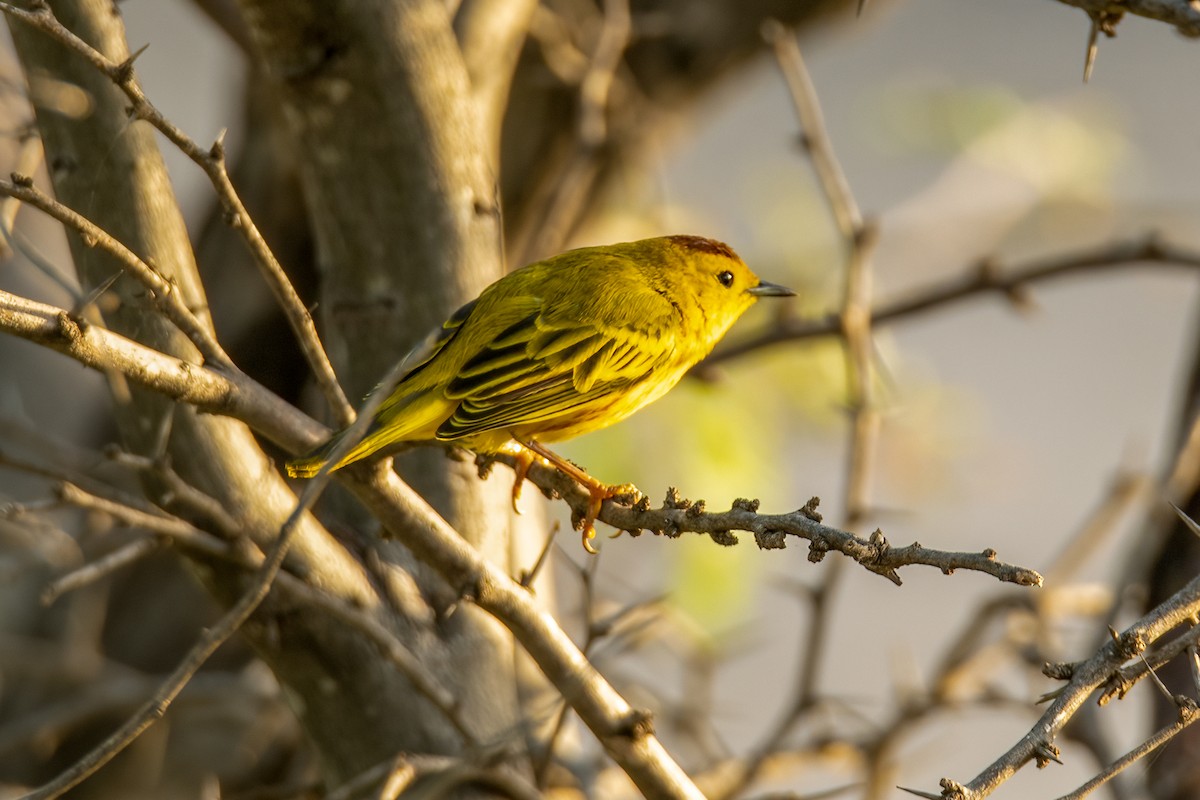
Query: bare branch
<point x="162" y="292"/>
<point x="678" y="516"/>
<point x="985" y="278"/>
<point x="95" y="570"/>
<point x="212" y="162"/>
<point x="1083" y="679"/>
<point x="1183" y="15"/>
<point x="236" y="396"/>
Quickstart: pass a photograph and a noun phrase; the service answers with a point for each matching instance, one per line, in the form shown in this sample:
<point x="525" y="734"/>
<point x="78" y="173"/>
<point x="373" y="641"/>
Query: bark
<point x="355" y="707"/>
<point x="402" y="204"/>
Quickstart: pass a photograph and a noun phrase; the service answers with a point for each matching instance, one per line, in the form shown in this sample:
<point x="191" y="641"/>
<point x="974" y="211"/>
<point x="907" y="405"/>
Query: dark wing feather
<point x="555" y="372"/>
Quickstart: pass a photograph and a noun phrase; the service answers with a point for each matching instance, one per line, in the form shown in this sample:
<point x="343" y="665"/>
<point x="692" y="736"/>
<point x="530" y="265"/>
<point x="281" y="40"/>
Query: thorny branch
<point x="678" y="516"/>
<point x="1183" y="15"/>
<point x="1083" y="679"/>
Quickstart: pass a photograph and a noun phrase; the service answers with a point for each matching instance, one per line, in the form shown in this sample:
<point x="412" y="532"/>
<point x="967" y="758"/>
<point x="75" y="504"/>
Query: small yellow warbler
<point x="561" y="347"/>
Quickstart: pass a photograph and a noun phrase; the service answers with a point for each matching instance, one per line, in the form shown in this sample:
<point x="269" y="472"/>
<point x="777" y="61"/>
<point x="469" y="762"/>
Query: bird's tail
<point x="376" y="437"/>
<point x="309" y="464"/>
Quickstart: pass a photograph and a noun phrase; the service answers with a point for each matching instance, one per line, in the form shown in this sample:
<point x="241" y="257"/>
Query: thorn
<point x="217" y="151"/>
<point x="1092" y="48"/>
<point x="918" y="792"/>
<point x="123" y="72"/>
<point x="95" y="294"/>
<point x="1188" y="521"/>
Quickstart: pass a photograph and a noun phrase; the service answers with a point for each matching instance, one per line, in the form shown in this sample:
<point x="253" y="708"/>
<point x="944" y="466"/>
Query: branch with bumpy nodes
<point x="632" y="513"/>
<point x="1085" y="679"/>
<point x="1183" y="15"/>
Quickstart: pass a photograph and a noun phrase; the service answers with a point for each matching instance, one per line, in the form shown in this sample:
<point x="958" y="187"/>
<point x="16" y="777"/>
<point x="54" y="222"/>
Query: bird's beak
<point x="765" y="289"/>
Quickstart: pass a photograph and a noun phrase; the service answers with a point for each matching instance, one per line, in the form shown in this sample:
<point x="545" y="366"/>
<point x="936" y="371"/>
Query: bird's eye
<point x="726" y="278"/>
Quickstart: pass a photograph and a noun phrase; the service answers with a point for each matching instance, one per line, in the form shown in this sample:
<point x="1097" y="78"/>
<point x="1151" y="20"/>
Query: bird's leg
<point x="525" y="460"/>
<point x="597" y="492"/>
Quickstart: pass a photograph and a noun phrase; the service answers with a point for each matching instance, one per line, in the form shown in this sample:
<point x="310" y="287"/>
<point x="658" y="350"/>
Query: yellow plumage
<point x="563" y="346"/>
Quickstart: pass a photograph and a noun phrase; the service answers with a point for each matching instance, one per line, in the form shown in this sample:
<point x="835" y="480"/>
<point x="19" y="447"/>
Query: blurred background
<point x="966" y="132"/>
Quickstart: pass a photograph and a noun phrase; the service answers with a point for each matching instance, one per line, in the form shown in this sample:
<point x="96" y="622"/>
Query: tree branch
<point x="205" y="388"/>
<point x="161" y="291"/>
<point x="154" y="708"/>
<point x="1083" y="679"/>
<point x="986" y="277"/>
<point x="212" y="162"/>
<point x="1183" y="15"/>
<point x="678" y="516"/>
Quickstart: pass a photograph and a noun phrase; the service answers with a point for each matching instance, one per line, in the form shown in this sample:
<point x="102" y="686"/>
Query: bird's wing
<point x="548" y="364"/>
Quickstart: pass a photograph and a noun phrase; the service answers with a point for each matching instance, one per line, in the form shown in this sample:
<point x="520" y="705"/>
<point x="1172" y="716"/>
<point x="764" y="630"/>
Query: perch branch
<point x="677" y="517"/>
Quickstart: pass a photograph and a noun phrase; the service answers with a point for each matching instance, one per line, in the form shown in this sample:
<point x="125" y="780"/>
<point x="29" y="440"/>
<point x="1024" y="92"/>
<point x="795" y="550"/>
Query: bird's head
<point x="708" y="274"/>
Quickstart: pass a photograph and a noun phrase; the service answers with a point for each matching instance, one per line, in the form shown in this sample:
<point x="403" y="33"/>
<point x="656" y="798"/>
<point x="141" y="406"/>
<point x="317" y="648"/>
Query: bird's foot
<point x="597" y="492"/>
<point x="525" y="459"/>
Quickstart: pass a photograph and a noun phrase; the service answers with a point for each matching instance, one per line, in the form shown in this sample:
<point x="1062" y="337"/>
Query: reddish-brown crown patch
<point x="700" y="244"/>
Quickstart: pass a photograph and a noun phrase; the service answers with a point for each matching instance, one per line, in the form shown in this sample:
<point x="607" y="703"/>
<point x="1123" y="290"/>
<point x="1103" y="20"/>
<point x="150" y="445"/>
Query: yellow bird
<point x="562" y="347"/>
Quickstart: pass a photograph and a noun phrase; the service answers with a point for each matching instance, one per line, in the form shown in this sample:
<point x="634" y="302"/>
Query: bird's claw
<point x="521" y="468"/>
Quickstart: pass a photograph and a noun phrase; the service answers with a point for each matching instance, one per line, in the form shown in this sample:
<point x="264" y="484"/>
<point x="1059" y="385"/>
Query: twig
<point x="1184" y="15"/>
<point x="199" y="541"/>
<point x="986" y="277"/>
<point x="212" y="162"/>
<point x="154" y="709"/>
<point x="162" y="293"/>
<point x="677" y="516"/>
<point x="1188" y="714"/>
<point x="95" y="570"/>
<point x="1083" y="679"/>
